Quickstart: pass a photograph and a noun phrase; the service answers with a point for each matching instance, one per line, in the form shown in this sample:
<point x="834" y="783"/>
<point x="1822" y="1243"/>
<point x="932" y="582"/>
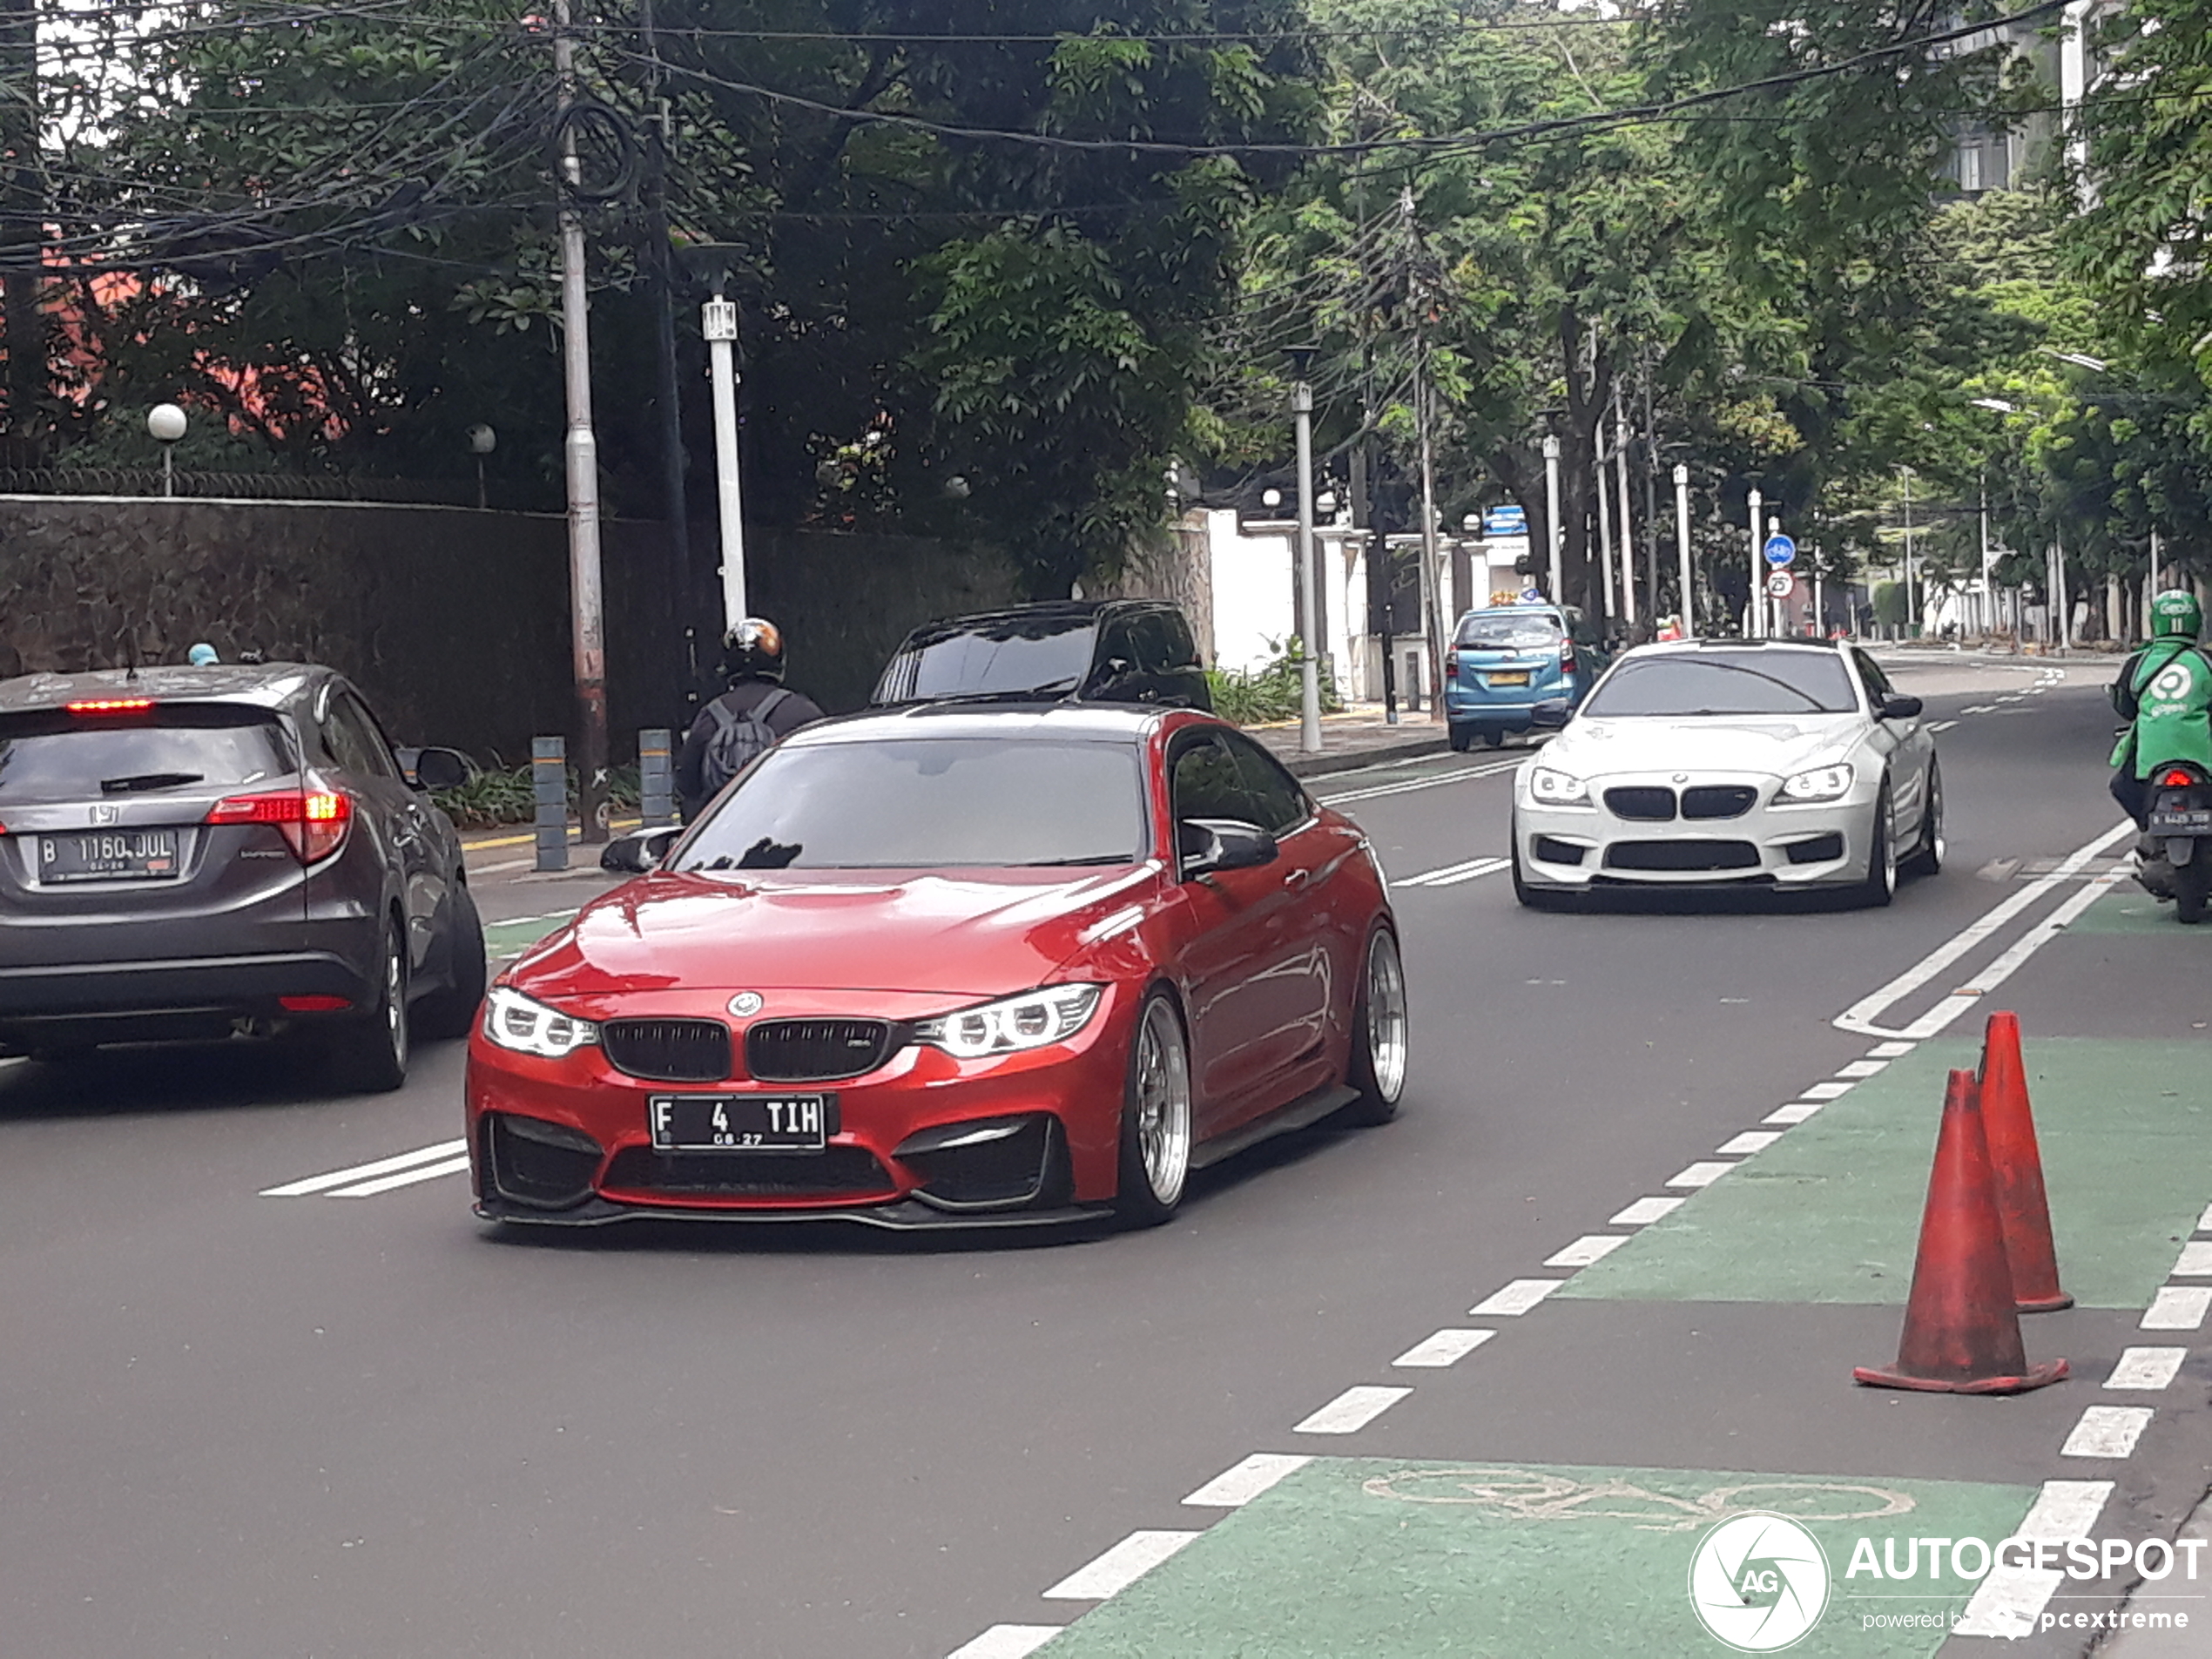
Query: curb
<point x="1306" y="766"/>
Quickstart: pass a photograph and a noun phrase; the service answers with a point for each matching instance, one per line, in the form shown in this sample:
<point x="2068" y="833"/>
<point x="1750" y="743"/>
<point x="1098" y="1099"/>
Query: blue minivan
<point x="1508" y="658"/>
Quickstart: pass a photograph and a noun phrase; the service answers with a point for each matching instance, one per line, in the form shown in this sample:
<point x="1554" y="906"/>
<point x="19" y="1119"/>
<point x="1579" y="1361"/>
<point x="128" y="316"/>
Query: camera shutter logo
<point x="1758" y="1582"/>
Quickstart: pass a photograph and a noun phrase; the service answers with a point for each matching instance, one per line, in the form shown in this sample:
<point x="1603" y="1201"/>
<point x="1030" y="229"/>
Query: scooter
<point x="2180" y="827"/>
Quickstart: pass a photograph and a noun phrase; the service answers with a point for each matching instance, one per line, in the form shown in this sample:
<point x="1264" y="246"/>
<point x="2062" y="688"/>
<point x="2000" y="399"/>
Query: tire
<point x="2192" y="885"/>
<point x="1493" y="737"/>
<point x="1156" y="1117"/>
<point x="368" y="1054"/>
<point x="1880" y="885"/>
<point x="1380" y="1034"/>
<point x="1462" y="738"/>
<point x="450" y="1011"/>
<point x="1927" y="855"/>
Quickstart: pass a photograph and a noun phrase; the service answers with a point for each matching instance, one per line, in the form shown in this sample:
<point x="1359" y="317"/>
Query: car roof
<point x="1084" y="722"/>
<point x="269" y="686"/>
<point x="1691" y="646"/>
<point x="1071" y="612"/>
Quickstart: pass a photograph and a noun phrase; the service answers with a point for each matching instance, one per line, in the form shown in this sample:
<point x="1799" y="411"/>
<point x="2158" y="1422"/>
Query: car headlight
<point x="1557" y="789"/>
<point x="516" y="1021"/>
<point x="1823" y="782"/>
<point x="1030" y="1021"/>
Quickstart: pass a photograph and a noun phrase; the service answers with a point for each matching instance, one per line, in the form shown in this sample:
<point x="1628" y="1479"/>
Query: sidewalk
<point x="1359" y="737"/>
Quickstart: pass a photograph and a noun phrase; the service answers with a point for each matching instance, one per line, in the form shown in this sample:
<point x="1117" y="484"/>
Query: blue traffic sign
<point x="1506" y="521"/>
<point x="1531" y="596"/>
<point x="1780" y="551"/>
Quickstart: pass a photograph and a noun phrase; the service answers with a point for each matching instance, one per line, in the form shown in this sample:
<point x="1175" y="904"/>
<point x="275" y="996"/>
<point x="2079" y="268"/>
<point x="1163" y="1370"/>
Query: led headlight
<point x="513" y="1020"/>
<point x="1030" y="1021"/>
<point x="1823" y="783"/>
<point x="1557" y="789"/>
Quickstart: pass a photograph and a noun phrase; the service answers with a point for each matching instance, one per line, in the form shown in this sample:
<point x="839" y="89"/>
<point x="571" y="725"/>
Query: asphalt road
<point x="364" y="1426"/>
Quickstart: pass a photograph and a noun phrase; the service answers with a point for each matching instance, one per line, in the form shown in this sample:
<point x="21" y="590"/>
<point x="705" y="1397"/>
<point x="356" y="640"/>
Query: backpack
<point x="738" y="739"/>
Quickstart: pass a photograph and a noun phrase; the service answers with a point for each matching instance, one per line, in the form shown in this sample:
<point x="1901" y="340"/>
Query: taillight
<point x="1567" y="657"/>
<point x="312" y="822"/>
<point x="314" y="1004"/>
<point x="1451" y="664"/>
<point x="109" y="705"/>
<point x="2177" y="779"/>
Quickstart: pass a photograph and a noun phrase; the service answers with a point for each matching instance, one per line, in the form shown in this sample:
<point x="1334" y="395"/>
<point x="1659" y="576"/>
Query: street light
<point x="1682" y="547"/>
<point x="1755" y="607"/>
<point x="481" y="442"/>
<point x="1309" y="741"/>
<point x="166" y="422"/>
<point x="1551" y="511"/>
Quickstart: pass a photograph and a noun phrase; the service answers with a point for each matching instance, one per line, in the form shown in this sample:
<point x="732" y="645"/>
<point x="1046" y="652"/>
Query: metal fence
<point x="234" y="486"/>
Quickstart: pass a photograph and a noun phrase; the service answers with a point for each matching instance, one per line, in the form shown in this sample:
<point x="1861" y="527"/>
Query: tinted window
<point x="1727" y="682"/>
<point x="923" y="802"/>
<point x="1028" y="655"/>
<point x="50" y="757"/>
<point x="1508" y="631"/>
<point x="1180" y="647"/>
<point x="355" y="741"/>
<point x="1206" y="783"/>
<point x="1281" y="804"/>
<point x="1118" y="643"/>
<point x="1878" y="682"/>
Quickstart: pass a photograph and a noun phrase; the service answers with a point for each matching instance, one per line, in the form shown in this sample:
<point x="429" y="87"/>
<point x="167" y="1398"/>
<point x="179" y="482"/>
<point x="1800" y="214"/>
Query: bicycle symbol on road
<point x="1524" y="1495"/>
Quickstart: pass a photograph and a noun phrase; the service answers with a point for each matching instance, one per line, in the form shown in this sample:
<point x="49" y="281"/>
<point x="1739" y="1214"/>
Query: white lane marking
<point x="2195" y="1260"/>
<point x="1890" y="1050"/>
<point x="2204" y="1221"/>
<point x="1797" y="1112"/>
<point x="1861" y="1016"/>
<point x="2011" y="1599"/>
<point x="1645" y="1210"/>
<point x="2106" y="1432"/>
<point x="1120" y="1567"/>
<point x="1590" y="1247"/>
<point x="1445" y="1347"/>
<point x="1751" y="1140"/>
<point x="1350" y="1411"/>
<point x="2178" y="1307"/>
<point x="502" y="868"/>
<point x="1700" y="1175"/>
<point x="1943" y="725"/>
<point x="1978" y="708"/>
<point x="2145" y="1367"/>
<point x="2010" y="697"/>
<point x="1516" y="1298"/>
<point x="1450" y="874"/>
<point x="1858" y="1068"/>
<point x="404" y="1179"/>
<point x="1410" y="785"/>
<point x="442" y="1150"/>
<point x="1007" y="1641"/>
<point x="1825" y="1092"/>
<point x="1235" y="1487"/>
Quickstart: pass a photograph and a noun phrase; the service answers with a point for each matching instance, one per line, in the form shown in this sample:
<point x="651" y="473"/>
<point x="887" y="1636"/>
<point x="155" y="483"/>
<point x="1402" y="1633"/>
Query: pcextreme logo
<point x="1758" y="1582"/>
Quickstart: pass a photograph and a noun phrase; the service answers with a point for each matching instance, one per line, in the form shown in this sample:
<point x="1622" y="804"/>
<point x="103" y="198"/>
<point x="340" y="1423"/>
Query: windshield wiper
<point x="1062" y="864"/>
<point x="132" y="785"/>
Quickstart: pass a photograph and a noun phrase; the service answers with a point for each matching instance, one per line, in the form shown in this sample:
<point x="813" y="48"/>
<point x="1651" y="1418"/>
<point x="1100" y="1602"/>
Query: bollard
<point x="656" y="778"/>
<point x="549" y="783"/>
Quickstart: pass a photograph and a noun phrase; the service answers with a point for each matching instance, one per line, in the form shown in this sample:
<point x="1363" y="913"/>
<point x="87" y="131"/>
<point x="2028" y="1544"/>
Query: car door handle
<point x="1297" y="878"/>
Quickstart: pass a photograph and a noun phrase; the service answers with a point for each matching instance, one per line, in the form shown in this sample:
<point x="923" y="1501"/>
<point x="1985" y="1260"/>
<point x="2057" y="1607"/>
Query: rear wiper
<point x="132" y="785"/>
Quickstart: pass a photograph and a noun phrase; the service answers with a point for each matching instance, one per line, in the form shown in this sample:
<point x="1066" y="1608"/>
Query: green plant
<point x="1270" y="693"/>
<point x="507" y="795"/>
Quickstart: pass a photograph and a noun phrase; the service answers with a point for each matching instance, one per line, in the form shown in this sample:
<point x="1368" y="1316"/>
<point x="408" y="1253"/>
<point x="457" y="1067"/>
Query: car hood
<point x="973" y="934"/>
<point x="1773" y="744"/>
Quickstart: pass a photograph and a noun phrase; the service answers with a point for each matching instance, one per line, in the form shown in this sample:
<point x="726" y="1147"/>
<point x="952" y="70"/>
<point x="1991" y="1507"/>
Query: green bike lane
<point x="1544" y="1493"/>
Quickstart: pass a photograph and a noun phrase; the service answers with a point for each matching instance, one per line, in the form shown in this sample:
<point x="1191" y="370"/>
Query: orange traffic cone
<point x="1962" y="1333"/>
<point x="2017" y="1169"/>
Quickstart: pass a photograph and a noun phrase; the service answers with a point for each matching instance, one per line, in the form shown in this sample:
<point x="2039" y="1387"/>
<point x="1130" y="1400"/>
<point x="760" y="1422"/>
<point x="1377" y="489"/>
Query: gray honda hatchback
<point x="194" y="853"/>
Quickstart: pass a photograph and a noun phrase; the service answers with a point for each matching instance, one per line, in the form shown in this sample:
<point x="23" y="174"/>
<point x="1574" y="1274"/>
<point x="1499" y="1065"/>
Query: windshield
<point x="55" y="756"/>
<point x="1503" y="631"/>
<point x="928" y="803"/>
<point x="989" y="659"/>
<point x="1726" y="682"/>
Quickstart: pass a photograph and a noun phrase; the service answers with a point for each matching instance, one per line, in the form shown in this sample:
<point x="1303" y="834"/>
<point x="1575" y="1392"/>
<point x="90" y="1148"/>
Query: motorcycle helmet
<point x="2175" y="614"/>
<point x="753" y="651"/>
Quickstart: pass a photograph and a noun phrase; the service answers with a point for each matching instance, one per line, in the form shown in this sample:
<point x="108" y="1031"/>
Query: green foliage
<point x="1273" y="692"/>
<point x="508" y="795"/>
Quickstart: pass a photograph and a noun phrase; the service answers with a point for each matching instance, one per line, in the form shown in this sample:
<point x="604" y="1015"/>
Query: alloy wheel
<point x="1386" y="1020"/>
<point x="1162" y="1103"/>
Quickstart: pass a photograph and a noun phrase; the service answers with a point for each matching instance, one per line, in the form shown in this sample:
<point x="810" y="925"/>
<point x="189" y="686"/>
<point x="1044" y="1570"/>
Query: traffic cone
<point x="1962" y="1333"/>
<point x="2017" y="1169"/>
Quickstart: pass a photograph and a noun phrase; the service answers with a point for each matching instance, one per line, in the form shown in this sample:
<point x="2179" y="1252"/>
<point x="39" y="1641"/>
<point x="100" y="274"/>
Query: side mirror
<point x="639" y="851"/>
<point x="1551" y="714"/>
<point x="434" y="769"/>
<point x="1206" y="844"/>
<point x="1900" y="708"/>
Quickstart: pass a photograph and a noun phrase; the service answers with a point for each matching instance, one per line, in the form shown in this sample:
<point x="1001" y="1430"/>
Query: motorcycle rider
<point x="751" y="717"/>
<point x="2164" y="692"/>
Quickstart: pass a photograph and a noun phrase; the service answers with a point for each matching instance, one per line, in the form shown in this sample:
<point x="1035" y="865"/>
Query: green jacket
<point x="2164" y="692"/>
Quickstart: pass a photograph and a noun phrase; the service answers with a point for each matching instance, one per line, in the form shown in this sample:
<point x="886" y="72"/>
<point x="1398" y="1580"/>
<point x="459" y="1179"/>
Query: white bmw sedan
<point x="1771" y="763"/>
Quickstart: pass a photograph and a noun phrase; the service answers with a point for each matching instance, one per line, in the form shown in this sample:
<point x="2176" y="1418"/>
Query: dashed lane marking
<point x="1008" y="1641"/>
<point x="1943" y="725"/>
<point x="1590" y="1247"/>
<point x="1445" y="1347"/>
<point x="1408" y="785"/>
<point x="1702" y="1174"/>
<point x="1860" y="1068"/>
<point x="1797" y="1112"/>
<point x="1519" y="1297"/>
<point x="1825" y="1092"/>
<point x="2011" y="1599"/>
<point x="2106" y="1432"/>
<point x="1350" y="1411"/>
<point x="1644" y="1212"/>
<point x="420" y="1164"/>
<point x="1120" y="1567"/>
<point x="1235" y="1487"/>
<point x="2196" y="1261"/>
<point x="2177" y="1307"/>
<point x="1751" y="1140"/>
<point x="1452" y="874"/>
<point x="2145" y="1367"/>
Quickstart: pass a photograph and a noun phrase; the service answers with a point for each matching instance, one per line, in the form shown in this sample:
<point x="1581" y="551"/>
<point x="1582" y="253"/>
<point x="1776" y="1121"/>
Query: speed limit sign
<point x="1781" y="585"/>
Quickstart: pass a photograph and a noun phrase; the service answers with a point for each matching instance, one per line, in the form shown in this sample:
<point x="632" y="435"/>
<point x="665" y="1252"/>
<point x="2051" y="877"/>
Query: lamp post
<point x="1681" y="550"/>
<point x="1309" y="737"/>
<point x="719" y="322"/>
<point x="1551" y="512"/>
<point x="1755" y="605"/>
<point x="481" y="442"/>
<point x="166" y="422"/>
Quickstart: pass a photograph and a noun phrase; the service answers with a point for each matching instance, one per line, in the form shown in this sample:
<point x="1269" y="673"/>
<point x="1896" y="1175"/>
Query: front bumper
<point x="567" y="1143"/>
<point x="1576" y="848"/>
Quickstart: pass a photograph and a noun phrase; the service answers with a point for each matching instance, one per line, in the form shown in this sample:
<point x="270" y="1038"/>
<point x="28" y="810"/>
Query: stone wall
<point x="455" y="621"/>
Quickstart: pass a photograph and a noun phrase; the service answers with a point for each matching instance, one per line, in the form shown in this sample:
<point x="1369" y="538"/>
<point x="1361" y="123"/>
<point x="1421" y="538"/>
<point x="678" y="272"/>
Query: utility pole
<point x="1431" y="578"/>
<point x="1627" y="535"/>
<point x="1755" y="606"/>
<point x="1682" y="550"/>
<point x="719" y="322"/>
<point x="587" y="620"/>
<point x="1911" y="600"/>
<point x="1552" y="531"/>
<point x="23" y="202"/>
<point x="668" y="392"/>
<point x="1309" y="739"/>
<point x="1988" y="587"/>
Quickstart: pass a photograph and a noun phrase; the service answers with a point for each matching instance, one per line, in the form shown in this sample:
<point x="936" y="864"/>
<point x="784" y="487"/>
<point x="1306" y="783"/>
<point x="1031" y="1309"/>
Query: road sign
<point x="1781" y="585"/>
<point x="1531" y="596"/>
<point x="1780" y="551"/>
<point x="1505" y="521"/>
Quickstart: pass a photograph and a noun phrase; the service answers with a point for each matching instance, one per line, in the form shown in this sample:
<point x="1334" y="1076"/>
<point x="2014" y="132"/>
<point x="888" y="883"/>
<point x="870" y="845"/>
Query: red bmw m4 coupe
<point x="949" y="965"/>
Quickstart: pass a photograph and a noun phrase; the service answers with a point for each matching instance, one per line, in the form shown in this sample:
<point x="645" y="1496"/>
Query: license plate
<point x="108" y="855"/>
<point x="739" y="1122"/>
<point x="2181" y="823"/>
<point x="1519" y="678"/>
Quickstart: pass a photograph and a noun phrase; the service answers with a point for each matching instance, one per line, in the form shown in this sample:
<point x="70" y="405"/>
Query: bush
<point x="1268" y="693"/>
<point x="506" y="795"/>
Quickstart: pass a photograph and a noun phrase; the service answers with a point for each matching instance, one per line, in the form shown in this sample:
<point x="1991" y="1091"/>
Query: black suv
<point x="207" y="852"/>
<point x="1087" y="651"/>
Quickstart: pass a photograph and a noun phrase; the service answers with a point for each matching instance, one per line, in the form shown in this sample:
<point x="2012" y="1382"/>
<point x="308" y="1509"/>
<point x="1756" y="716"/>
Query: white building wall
<point x="1252" y="610"/>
